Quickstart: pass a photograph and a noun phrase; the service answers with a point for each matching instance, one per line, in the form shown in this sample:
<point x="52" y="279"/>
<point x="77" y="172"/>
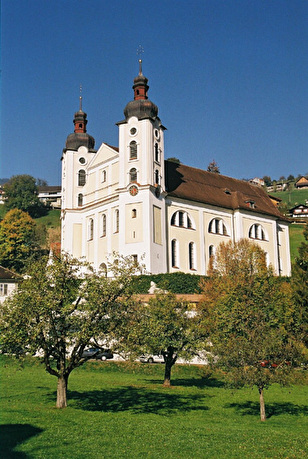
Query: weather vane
<point x="80" y="97"/>
<point x="140" y="51"/>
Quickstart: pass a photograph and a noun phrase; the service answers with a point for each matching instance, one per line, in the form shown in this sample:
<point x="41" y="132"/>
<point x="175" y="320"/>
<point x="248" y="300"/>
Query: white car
<point x="149" y="358"/>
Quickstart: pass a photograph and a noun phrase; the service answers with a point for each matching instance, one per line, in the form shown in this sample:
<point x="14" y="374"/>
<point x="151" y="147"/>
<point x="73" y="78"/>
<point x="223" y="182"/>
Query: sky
<point x="230" y="79"/>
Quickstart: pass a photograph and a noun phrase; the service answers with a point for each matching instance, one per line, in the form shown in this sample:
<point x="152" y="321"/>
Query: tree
<point x="267" y="180"/>
<point x="300" y="289"/>
<point x="57" y="311"/>
<point x="163" y="326"/>
<point x="21" y="192"/>
<point x="213" y="167"/>
<point x="247" y="318"/>
<point x="19" y="239"/>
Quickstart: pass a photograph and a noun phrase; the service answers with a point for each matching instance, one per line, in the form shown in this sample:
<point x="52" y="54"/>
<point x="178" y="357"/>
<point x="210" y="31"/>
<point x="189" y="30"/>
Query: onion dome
<point x="80" y="138"/>
<point x="141" y="106"/>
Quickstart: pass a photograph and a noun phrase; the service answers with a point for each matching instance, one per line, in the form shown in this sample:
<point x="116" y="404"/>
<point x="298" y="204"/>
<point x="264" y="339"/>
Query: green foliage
<point x="248" y="317"/>
<point x="21" y="193"/>
<point x="213" y="167"/>
<point x="172" y="282"/>
<point x="291" y="197"/>
<point x="296" y="238"/>
<point x="59" y="307"/>
<point x="20" y="240"/>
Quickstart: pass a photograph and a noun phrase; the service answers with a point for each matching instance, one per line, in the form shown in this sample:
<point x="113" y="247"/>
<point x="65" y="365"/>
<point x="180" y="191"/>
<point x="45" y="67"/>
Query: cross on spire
<point x="140" y="51"/>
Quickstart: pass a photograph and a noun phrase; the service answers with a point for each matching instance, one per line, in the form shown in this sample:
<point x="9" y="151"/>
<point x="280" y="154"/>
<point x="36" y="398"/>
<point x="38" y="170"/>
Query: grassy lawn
<point x="51" y="220"/>
<point x="292" y="198"/>
<point x="122" y="411"/>
<point x="296" y="237"/>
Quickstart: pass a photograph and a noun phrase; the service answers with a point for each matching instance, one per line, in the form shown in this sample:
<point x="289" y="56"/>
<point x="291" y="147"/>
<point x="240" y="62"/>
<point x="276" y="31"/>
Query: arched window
<point x="90" y="229"/>
<point x="134" y="213"/>
<point x="104" y="176"/>
<point x="182" y="219"/>
<point x="104" y="225"/>
<point x="156" y="152"/>
<point x="103" y="268"/>
<point x="80" y="199"/>
<point x="133" y="175"/>
<point x="211" y="251"/>
<point x="256" y="231"/>
<point x="192" y="255"/>
<point x="156" y="178"/>
<point x="217" y="226"/>
<point x="174" y="253"/>
<point x="116" y="221"/>
<point x="133" y="150"/>
<point x="81" y="177"/>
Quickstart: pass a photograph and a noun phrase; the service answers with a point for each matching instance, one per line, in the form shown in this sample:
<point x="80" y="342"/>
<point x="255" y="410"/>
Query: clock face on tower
<point x="133" y="190"/>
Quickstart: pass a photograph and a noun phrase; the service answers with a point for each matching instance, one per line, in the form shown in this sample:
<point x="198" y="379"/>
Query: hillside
<point x="292" y="198"/>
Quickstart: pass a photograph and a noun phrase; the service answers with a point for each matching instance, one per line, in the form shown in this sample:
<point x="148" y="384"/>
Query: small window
<point x="104" y="176"/>
<point x="80" y="199"/>
<point x="133" y="175"/>
<point x="135" y="260"/>
<point x="157" y="177"/>
<point x="81" y="177"/>
<point x="104" y="225"/>
<point x="191" y="254"/>
<point x="133" y="150"/>
<point x="156" y="152"/>
<point x="174" y="253"/>
<point x="116" y="221"/>
<point x="3" y="289"/>
<point x="134" y="213"/>
<point x="90" y="229"/>
<point x="211" y="251"/>
<point x="103" y="268"/>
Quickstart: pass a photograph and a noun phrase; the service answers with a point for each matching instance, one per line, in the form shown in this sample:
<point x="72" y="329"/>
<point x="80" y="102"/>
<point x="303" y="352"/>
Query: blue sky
<point x="229" y="78"/>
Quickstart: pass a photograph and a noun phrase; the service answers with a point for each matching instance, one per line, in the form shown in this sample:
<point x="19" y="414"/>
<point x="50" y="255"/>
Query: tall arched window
<point x="211" y="251"/>
<point x="134" y="213"/>
<point x="81" y="177"/>
<point x="104" y="225"/>
<point x="256" y="231"/>
<point x="174" y="253"/>
<point x="217" y="226"/>
<point x="133" y="150"/>
<point x="156" y="152"/>
<point x="116" y="221"/>
<point x="90" y="229"/>
<point x="156" y="177"/>
<point x="103" y="268"/>
<point x="80" y="199"/>
<point x="104" y="176"/>
<point x="192" y="255"/>
<point x="133" y="175"/>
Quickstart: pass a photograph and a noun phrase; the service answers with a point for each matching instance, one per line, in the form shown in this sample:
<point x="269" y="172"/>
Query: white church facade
<point x="171" y="217"/>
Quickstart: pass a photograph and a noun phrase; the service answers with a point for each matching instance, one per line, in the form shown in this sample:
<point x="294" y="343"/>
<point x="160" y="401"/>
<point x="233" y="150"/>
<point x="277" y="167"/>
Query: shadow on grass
<point x="271" y="409"/>
<point x="200" y="383"/>
<point x="13" y="435"/>
<point x="135" y="400"/>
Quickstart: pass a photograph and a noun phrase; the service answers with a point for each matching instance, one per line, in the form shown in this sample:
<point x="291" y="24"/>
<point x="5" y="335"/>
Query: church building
<point x="168" y="216"/>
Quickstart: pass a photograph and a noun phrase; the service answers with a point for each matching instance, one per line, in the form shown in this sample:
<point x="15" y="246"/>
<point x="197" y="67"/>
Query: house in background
<point x="8" y="282"/>
<point x="302" y="183"/>
<point x="300" y="211"/>
<point x="50" y="196"/>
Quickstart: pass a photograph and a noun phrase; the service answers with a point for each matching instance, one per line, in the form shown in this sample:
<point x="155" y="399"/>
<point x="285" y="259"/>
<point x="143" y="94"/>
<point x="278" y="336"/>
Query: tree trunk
<point x="62" y="391"/>
<point x="167" y="380"/>
<point x="262" y="405"/>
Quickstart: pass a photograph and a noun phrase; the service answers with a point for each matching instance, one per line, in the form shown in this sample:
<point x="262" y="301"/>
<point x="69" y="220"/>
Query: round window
<point x="133" y="131"/>
<point x="156" y="133"/>
<point x="82" y="160"/>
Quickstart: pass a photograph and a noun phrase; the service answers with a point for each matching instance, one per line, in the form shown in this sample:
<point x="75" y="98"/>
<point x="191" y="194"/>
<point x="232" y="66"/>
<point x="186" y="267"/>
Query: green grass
<point x="122" y="411"/>
<point x="292" y="198"/>
<point x="51" y="220"/>
<point x="296" y="237"/>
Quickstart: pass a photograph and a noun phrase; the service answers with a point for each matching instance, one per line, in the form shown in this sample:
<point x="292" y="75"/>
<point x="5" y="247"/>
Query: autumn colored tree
<point x="21" y="192"/>
<point x="59" y="308"/>
<point x="213" y="167"/>
<point x="19" y="239"/>
<point x="247" y="318"/>
<point x="300" y="289"/>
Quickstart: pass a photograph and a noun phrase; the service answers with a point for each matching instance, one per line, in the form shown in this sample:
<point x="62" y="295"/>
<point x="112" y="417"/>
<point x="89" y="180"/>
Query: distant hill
<point x="292" y="198"/>
<point x="3" y="180"/>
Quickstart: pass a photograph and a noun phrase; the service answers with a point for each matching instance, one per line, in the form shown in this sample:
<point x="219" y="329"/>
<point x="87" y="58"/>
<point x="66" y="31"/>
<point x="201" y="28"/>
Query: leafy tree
<point x="291" y="177"/>
<point x="300" y="289"/>
<point x="19" y="239"/>
<point x="247" y="316"/>
<point x="163" y="326"/>
<point x="267" y="180"/>
<point x="41" y="182"/>
<point x="21" y="192"/>
<point x="213" y="167"/>
<point x="173" y="159"/>
<point x="57" y="312"/>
